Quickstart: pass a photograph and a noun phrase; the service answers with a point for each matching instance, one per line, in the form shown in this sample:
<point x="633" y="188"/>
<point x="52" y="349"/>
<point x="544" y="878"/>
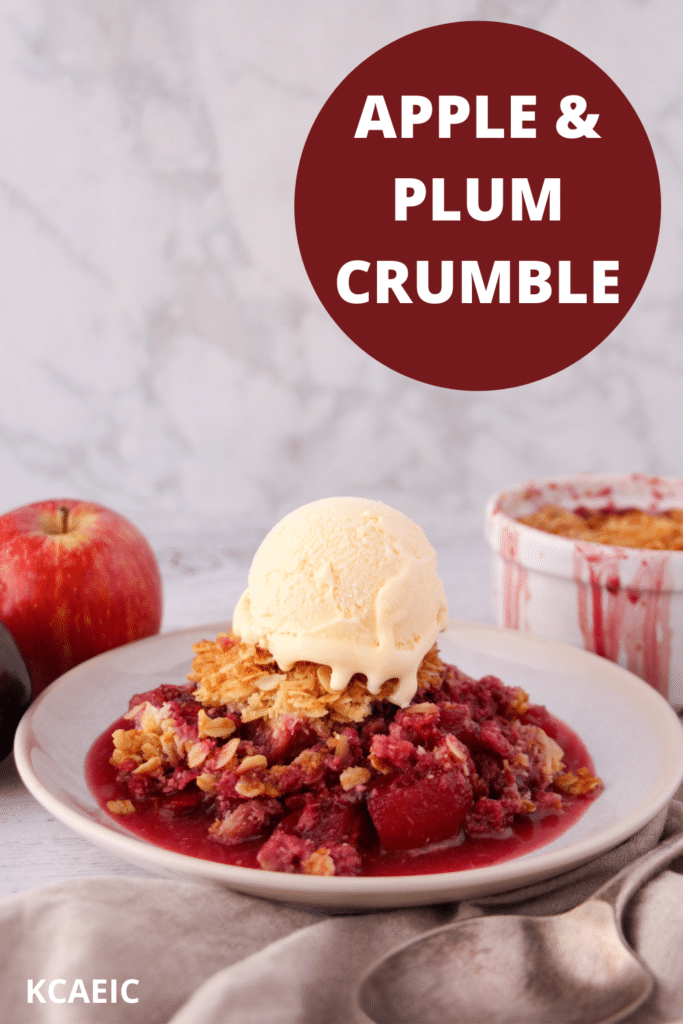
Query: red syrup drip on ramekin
<point x="633" y="616"/>
<point x="515" y="578"/>
<point x="188" y="835"/>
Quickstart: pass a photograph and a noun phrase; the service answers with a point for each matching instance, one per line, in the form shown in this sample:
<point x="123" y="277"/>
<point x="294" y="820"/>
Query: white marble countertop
<point x="204" y="573"/>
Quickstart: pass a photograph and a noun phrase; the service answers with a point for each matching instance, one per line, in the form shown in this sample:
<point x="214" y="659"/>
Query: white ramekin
<point x="625" y="604"/>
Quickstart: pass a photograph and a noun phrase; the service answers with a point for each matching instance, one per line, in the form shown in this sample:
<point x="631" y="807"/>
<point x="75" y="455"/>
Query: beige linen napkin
<point x="202" y="955"/>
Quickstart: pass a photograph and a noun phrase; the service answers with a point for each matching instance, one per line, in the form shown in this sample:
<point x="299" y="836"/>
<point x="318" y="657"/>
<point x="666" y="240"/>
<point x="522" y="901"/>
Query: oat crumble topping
<point x="632" y="528"/>
<point x="231" y="673"/>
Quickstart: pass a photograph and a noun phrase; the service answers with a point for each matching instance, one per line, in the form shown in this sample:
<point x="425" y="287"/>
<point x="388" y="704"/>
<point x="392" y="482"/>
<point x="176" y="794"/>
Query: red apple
<point x="76" y="579"/>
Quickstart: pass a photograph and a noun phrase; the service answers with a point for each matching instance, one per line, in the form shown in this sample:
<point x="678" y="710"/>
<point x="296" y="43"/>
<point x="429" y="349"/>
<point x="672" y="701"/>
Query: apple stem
<point x="64" y="513"/>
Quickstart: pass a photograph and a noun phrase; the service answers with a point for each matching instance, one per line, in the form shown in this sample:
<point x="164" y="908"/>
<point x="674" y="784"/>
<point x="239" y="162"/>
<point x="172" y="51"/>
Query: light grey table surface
<point x="204" y="574"/>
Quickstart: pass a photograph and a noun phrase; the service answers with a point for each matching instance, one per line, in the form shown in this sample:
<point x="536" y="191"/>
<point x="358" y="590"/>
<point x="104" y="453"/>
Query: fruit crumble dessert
<point x="324" y="735"/>
<point x="629" y="528"/>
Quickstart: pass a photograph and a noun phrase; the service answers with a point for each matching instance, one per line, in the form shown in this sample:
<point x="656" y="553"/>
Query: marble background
<point x="162" y="349"/>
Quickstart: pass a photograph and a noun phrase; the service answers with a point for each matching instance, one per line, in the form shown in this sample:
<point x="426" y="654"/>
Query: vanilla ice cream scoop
<point x="348" y="583"/>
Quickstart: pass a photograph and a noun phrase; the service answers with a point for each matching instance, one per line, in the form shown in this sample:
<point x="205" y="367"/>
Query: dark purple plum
<point x="15" y="690"/>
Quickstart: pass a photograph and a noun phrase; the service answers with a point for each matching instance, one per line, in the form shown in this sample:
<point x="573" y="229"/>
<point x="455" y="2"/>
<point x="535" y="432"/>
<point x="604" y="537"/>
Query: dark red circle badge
<point x="477" y="205"/>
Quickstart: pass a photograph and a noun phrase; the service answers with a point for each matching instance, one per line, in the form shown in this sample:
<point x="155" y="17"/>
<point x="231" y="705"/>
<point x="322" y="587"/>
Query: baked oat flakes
<point x="631" y="528"/>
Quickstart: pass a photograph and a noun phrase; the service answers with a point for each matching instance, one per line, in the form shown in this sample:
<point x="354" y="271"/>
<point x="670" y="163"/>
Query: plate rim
<point x="360" y="891"/>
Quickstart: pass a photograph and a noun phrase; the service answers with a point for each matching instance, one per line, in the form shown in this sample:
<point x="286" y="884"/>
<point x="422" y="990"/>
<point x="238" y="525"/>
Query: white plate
<point x="632" y="734"/>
